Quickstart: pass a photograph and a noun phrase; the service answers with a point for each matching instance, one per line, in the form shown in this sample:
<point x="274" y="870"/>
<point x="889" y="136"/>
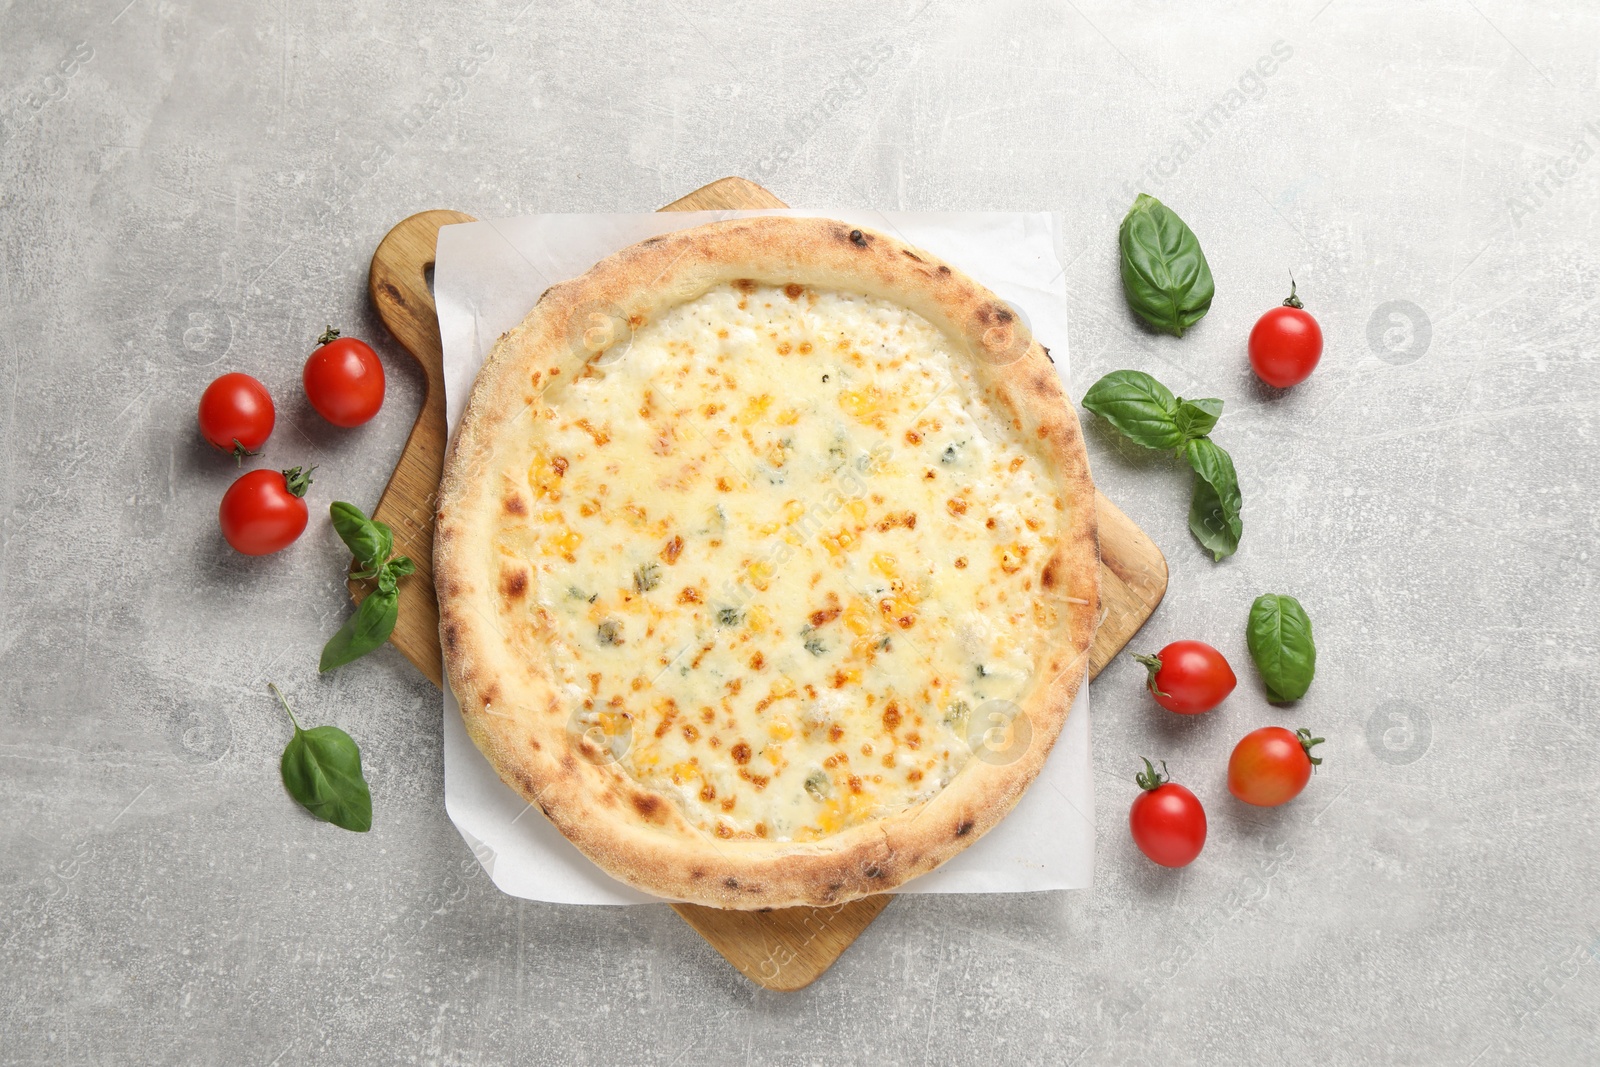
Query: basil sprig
<point x="1165" y="275"/>
<point x="321" y="769"/>
<point x="1147" y="413"/>
<point x="372" y="544"/>
<point x="1279" y="636"/>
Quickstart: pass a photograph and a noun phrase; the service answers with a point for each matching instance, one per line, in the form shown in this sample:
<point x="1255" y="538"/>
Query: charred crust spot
<point x="858" y="238"/>
<point x="964" y="828"/>
<point x="731" y="883"/>
<point x="910" y="254"/>
<point x="744" y="285"/>
<point x="874" y="871"/>
<point x="452" y="635"/>
<point x="1047" y="354"/>
<point x="1047" y="578"/>
<point x="648" y="806"/>
<point x="793" y="291"/>
<point x="515" y="506"/>
<point x="943" y="269"/>
<point x="697" y="873"/>
<point x="994" y="314"/>
<point x="514" y="583"/>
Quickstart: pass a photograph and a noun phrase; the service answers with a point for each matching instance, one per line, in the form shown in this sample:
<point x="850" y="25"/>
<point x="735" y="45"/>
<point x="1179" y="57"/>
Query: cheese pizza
<point x="766" y="562"/>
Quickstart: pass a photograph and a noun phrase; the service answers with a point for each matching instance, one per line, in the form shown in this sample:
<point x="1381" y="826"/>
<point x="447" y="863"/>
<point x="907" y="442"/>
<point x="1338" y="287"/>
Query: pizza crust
<point x="515" y="713"/>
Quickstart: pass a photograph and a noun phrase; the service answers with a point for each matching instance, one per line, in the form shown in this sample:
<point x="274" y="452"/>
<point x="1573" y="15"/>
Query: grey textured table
<point x="192" y="187"/>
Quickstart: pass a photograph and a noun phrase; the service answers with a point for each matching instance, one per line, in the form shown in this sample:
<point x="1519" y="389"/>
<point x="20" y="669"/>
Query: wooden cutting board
<point x="783" y="949"/>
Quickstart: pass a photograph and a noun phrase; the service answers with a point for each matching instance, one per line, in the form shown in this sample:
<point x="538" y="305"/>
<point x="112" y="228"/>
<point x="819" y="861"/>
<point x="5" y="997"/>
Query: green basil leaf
<point x="321" y="769"/>
<point x="386" y="540"/>
<point x="359" y="533"/>
<point x="1196" y="418"/>
<point x="1215" y="509"/>
<point x="402" y="566"/>
<point x="1165" y="275"/>
<point x="1279" y="636"/>
<point x="1140" y="407"/>
<point x="366" y="630"/>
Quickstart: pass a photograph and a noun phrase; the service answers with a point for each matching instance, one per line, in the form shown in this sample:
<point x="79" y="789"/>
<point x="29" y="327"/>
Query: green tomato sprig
<point x="372" y="544"/>
<point x="1147" y="413"/>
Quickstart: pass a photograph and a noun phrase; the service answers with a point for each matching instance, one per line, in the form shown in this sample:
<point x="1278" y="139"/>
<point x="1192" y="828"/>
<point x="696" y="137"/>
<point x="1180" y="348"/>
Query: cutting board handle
<point x="400" y="289"/>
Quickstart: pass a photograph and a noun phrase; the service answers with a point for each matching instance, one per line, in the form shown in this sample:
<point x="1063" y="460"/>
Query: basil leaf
<point x="360" y="534"/>
<point x="321" y="769"/>
<point x="1214" y="510"/>
<point x="1196" y="418"/>
<point x="402" y="566"/>
<point x="1165" y="275"/>
<point x="1279" y="636"/>
<point x="1140" y="407"/>
<point x="366" y="630"/>
<point x="386" y="541"/>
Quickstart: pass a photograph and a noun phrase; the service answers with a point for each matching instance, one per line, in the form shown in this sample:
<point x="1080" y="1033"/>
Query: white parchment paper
<point x="487" y="276"/>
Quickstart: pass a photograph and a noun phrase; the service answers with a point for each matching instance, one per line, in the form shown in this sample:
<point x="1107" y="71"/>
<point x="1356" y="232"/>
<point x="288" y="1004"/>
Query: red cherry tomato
<point x="1189" y="677"/>
<point x="344" y="380"/>
<point x="236" y="415"/>
<point x="1286" y="344"/>
<point x="1270" y="766"/>
<point x="1167" y="821"/>
<point x="264" y="510"/>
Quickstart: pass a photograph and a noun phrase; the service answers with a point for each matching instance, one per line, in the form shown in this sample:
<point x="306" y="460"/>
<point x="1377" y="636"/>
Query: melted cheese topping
<point x="787" y="555"/>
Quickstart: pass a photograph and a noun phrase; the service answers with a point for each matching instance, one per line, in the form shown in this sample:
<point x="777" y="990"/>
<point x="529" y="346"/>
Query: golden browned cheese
<point x="786" y="556"/>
